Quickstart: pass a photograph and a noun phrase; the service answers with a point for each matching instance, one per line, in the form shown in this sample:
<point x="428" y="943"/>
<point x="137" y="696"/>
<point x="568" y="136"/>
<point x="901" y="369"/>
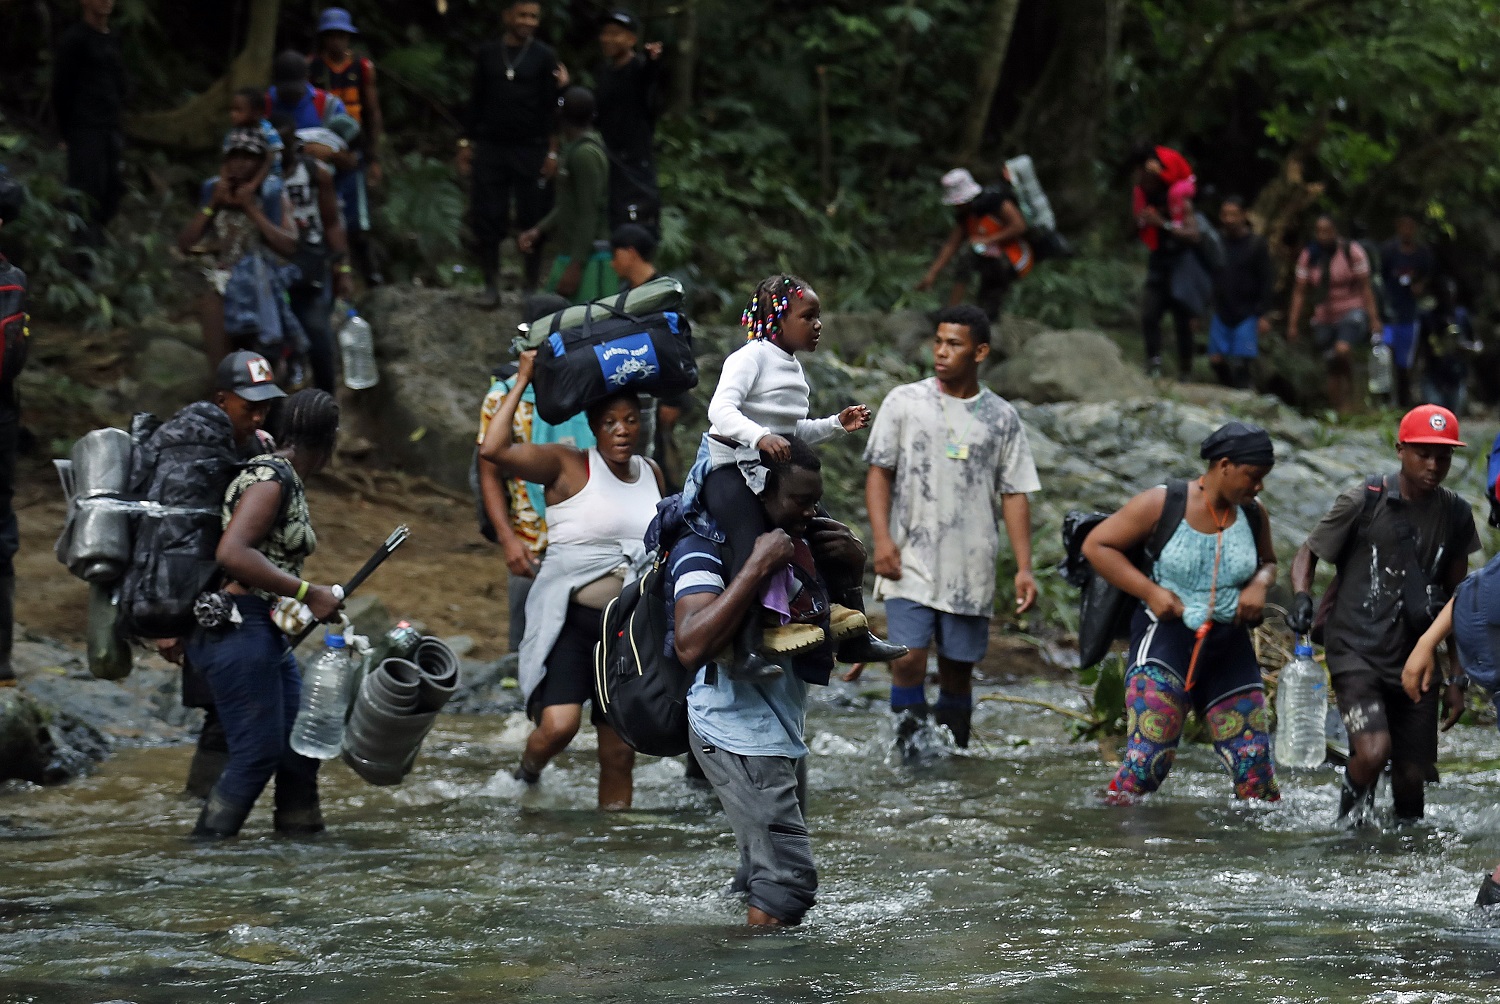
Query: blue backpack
<point x="1492" y="474"/>
<point x="1476" y="625"/>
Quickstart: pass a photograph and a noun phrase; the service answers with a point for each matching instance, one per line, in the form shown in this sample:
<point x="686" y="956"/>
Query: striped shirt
<point x="750" y="719"/>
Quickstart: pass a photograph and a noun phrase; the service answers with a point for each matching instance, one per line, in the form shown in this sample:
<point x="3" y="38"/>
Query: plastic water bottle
<point x="1301" y="711"/>
<point x="318" y="731"/>
<point x="1380" y="369"/>
<point x="357" y="345"/>
<point x="402" y="640"/>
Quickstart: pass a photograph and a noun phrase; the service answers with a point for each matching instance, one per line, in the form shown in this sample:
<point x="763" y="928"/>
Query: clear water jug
<point x="1380" y="369"/>
<point x="318" y="731"/>
<point x="1301" y="711"/>
<point x="357" y="346"/>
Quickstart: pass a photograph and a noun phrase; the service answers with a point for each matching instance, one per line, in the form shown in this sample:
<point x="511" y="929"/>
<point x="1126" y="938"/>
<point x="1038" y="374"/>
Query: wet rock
<point x="169" y="375"/>
<point x="41" y="745"/>
<point x="435" y="350"/>
<point x="1070" y="366"/>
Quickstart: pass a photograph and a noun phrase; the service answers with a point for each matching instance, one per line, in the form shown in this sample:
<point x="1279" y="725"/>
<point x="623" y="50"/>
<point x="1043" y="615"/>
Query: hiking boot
<point x="844" y="621"/>
<point x="220" y="818"/>
<point x="790" y="639"/>
<point x="526" y="774"/>
<point x="1489" y="892"/>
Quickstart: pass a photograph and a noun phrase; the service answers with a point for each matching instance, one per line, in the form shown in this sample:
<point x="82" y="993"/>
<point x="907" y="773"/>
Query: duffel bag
<point x="611" y="351"/>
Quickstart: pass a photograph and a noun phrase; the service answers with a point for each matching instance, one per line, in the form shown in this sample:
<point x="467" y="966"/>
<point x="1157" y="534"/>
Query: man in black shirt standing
<point x="88" y="93"/>
<point x="625" y="86"/>
<point x="989" y="221"/>
<point x="508" y="145"/>
<point x="1243" y="287"/>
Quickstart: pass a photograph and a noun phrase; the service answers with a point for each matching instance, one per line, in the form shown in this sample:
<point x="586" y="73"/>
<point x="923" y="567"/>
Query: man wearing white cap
<point x="989" y="220"/>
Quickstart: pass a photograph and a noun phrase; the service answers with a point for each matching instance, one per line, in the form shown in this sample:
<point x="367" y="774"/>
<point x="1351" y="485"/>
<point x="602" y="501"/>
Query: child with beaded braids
<point x="761" y="400"/>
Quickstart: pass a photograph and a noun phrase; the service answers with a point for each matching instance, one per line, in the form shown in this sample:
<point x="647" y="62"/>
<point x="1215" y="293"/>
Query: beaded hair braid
<point x="769" y="303"/>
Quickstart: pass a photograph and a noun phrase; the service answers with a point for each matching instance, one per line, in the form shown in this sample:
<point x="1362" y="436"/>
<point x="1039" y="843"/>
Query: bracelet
<point x="463" y="144"/>
<point x="343" y="270"/>
<point x="302" y="591"/>
<point x="1461" y="682"/>
<point x="551" y="154"/>
<point x="208" y="211"/>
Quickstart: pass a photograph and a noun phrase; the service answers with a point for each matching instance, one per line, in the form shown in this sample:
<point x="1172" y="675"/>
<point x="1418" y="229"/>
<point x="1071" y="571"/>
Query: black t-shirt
<point x="1367" y="631"/>
<point x="523" y="110"/>
<point x="1243" y="287"/>
<point x="88" y="79"/>
<point x="626" y="97"/>
<point x="1401" y="271"/>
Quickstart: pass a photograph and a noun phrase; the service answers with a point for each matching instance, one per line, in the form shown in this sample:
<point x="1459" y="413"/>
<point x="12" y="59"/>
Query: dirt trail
<point x="446" y="575"/>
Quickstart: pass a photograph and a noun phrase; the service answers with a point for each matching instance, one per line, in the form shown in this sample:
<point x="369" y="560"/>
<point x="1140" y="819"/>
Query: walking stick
<point x="396" y="539"/>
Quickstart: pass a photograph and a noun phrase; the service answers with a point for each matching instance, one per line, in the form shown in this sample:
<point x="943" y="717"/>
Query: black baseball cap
<point x="624" y="19"/>
<point x="248" y="375"/>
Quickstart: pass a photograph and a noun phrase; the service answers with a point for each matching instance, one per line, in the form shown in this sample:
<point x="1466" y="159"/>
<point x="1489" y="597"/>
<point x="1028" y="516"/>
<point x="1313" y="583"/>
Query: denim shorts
<point x="1351" y="329"/>
<point x="960" y="637"/>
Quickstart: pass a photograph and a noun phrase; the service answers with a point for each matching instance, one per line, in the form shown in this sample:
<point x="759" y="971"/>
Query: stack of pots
<point x="395" y="709"/>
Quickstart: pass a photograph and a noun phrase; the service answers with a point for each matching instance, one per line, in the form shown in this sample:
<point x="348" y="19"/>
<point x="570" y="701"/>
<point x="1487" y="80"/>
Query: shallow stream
<point x="993" y="876"/>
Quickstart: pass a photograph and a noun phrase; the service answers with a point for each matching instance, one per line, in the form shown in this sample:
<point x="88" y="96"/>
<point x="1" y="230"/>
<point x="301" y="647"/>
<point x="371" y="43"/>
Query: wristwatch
<point x="1461" y="681"/>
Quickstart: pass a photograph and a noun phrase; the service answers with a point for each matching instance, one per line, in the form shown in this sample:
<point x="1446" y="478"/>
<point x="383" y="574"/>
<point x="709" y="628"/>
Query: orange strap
<point x="1213" y="586"/>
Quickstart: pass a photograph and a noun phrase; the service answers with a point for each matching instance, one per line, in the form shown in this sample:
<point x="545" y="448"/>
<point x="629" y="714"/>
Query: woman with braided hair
<point x="256" y="685"/>
<point x="761" y="400"/>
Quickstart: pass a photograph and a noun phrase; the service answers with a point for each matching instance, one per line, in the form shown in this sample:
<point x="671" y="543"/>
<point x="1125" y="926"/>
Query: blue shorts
<point x="960" y="637"/>
<point x="1239" y="342"/>
<point x="1402" y="339"/>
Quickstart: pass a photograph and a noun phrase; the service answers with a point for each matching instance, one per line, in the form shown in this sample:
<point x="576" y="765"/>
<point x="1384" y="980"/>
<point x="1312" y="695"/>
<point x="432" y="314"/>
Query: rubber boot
<point x="7" y="628"/>
<point x="1489" y="892"/>
<point x="1356" y="805"/>
<point x="863" y="646"/>
<point x="204" y="771"/>
<point x="957" y="720"/>
<point x="302" y="822"/>
<point x="220" y="818"/>
<point x="749" y="666"/>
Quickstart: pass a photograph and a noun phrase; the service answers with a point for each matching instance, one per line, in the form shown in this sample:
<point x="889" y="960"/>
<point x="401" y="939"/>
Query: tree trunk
<point x="685" y="59"/>
<point x="199" y="124"/>
<point x="997" y="31"/>
<point x="1059" y="125"/>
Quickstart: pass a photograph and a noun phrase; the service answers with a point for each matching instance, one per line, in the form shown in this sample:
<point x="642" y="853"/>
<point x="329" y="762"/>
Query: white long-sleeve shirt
<point x="763" y="391"/>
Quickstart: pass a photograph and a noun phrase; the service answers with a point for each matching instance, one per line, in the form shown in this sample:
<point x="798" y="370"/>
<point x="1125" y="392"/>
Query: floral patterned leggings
<point x="1157" y="704"/>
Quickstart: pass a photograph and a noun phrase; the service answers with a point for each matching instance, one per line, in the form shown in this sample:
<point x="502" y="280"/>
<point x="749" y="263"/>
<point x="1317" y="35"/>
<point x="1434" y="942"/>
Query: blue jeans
<point x="256" y="687"/>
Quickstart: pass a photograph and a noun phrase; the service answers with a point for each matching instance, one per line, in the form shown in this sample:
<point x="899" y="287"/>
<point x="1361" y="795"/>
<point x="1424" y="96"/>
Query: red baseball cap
<point x="1430" y="423"/>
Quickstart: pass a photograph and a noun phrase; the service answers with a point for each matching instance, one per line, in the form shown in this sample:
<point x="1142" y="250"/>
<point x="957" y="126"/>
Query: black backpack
<point x="641" y="688"/>
<point x="1104" y="611"/>
<point x="186" y="464"/>
<point x="14" y="329"/>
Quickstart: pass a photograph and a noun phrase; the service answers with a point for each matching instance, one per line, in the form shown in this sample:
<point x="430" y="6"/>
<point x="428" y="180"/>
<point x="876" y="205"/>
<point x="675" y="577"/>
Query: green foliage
<point x="125" y="273"/>
<point x="421" y="219"/>
<point x="1108" y="681"/>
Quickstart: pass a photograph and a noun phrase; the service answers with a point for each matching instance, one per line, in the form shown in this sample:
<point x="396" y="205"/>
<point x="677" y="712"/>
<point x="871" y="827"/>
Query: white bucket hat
<point x="959" y="187"/>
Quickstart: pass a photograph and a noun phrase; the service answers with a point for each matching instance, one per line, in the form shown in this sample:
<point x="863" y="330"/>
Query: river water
<point x="993" y="876"/>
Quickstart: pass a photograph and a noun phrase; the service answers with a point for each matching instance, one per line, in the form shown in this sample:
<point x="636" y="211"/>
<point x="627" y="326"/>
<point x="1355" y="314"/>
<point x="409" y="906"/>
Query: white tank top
<point x="607" y="509"/>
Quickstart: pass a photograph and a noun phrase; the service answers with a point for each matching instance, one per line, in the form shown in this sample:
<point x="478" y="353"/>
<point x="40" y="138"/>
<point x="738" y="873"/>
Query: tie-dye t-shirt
<point x="945" y="511"/>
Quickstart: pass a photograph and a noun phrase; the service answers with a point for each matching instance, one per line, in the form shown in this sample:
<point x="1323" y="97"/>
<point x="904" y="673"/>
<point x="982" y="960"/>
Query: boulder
<point x="1073" y="365"/>
<point x="169" y="375"/>
<point x="43" y="746"/>
<point x="435" y="350"/>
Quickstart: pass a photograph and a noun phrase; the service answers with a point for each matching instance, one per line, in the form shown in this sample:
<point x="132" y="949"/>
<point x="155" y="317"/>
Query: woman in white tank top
<point x="599" y="503"/>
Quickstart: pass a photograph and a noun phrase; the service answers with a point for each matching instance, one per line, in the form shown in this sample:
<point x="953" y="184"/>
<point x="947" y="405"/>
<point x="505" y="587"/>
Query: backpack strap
<point x="1256" y="519"/>
<point x="1173" y="509"/>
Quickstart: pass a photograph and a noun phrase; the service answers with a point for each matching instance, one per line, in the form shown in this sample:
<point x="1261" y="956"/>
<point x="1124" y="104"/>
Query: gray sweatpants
<point x="765" y="798"/>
